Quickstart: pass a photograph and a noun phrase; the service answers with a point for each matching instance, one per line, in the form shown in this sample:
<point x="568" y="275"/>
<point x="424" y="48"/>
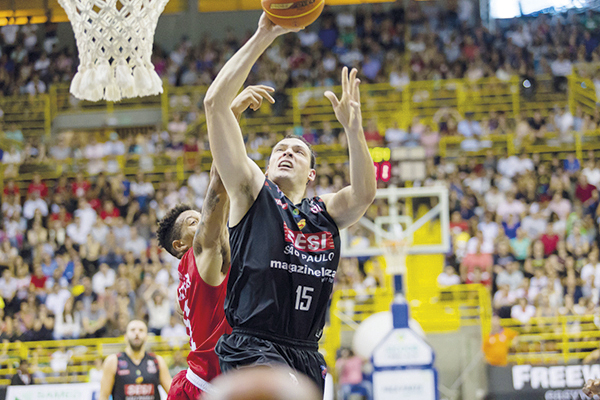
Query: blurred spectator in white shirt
<point x="449" y="277"/>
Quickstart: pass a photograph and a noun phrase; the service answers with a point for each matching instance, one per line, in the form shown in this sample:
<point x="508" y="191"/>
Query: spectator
<point x="103" y="279"/>
<point x="584" y="190"/>
<point x="22" y="376"/>
<point x="350" y="376"/>
<point x="498" y="343"/>
<point x="159" y="310"/>
<point x="511" y="277"/>
<point x="94" y="323"/>
<point x="174" y="329"/>
<point x="449" y="277"/>
<point x="521" y="245"/>
<point x="522" y="311"/>
<point x="136" y="244"/>
<point x="550" y="240"/>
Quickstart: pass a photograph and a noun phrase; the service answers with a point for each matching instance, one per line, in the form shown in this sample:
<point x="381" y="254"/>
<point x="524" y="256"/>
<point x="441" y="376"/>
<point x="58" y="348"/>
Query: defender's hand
<point x="347" y="109"/>
<point x="251" y="97"/>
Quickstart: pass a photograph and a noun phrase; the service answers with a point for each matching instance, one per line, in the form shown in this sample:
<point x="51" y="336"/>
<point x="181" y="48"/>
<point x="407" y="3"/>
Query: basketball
<point x="293" y="13"/>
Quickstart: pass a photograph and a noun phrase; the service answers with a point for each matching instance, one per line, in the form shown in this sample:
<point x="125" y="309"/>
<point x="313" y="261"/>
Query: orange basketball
<point x="293" y="13"/>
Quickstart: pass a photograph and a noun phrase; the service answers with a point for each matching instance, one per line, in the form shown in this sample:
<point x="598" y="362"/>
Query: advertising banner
<point x="74" y="391"/>
<point x="538" y="382"/>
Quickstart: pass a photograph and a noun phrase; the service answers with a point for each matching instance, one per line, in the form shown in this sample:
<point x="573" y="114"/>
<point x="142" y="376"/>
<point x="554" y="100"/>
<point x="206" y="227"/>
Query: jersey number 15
<point x="304" y="297"/>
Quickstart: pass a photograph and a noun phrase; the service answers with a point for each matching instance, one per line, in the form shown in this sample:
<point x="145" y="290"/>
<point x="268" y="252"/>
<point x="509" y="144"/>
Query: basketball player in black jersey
<point x="134" y="374"/>
<point x="284" y="248"/>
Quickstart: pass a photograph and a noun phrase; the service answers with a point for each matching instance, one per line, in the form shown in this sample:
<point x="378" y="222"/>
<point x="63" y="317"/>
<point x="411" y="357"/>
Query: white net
<point x="395" y="253"/>
<point x="114" y="39"/>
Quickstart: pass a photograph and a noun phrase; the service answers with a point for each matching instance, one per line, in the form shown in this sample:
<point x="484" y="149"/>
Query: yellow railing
<point x="380" y="102"/>
<point x="579" y="142"/>
<point x="84" y="353"/>
<point x="454" y="307"/>
<point x="565" y="339"/>
<point x="348" y="309"/>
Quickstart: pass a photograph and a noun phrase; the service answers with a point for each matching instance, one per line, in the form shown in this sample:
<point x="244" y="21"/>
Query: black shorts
<point x="244" y="348"/>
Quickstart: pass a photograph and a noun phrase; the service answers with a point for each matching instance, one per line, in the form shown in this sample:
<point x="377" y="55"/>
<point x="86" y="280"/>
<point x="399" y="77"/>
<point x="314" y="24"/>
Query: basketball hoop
<point x="395" y="252"/>
<point x="114" y="39"/>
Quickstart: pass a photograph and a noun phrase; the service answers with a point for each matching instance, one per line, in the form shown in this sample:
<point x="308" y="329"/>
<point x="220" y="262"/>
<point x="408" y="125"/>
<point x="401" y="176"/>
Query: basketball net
<point x="395" y="253"/>
<point x="114" y="39"/>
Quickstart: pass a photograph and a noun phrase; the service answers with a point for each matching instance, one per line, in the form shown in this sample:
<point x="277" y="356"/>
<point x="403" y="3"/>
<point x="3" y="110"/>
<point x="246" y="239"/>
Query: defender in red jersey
<point x="201" y="241"/>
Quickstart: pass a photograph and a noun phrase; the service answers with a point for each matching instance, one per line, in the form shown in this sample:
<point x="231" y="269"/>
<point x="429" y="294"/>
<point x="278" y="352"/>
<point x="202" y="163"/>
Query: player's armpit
<point x="109" y="369"/>
<point x="346" y="207"/>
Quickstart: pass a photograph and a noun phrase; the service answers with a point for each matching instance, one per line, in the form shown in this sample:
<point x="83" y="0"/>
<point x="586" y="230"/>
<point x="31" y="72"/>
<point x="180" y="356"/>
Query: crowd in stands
<point x="79" y="255"/>
<point x="441" y="43"/>
<point x="528" y="230"/>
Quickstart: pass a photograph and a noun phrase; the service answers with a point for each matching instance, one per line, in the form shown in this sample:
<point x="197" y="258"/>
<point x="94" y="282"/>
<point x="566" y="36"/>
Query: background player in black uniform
<point x="134" y="374"/>
<point x="284" y="248"/>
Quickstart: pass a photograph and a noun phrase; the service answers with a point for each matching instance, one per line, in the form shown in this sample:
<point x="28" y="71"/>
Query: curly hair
<point x="169" y="230"/>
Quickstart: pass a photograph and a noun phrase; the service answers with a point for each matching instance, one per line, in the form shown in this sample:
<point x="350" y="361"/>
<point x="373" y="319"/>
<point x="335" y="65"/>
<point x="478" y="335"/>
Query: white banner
<point x="410" y="384"/>
<point x="74" y="391"/>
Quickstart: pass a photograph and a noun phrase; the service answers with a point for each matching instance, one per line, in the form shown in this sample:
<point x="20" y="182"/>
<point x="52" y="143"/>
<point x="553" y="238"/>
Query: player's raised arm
<point x="349" y="204"/>
<point x="211" y="244"/>
<point x="242" y="178"/>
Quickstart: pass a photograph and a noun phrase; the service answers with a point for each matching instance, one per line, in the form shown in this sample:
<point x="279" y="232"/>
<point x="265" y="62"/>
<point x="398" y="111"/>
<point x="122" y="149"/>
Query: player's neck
<point x="135" y="356"/>
<point x="293" y="192"/>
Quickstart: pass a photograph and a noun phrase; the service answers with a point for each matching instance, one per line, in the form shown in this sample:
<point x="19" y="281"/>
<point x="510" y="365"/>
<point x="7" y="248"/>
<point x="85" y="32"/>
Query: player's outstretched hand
<point x="251" y="97"/>
<point x="265" y="25"/>
<point x="347" y="109"/>
<point x="592" y="387"/>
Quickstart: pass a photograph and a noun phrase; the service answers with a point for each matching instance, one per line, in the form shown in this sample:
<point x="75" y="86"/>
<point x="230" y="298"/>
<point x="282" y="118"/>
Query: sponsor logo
<point x="301" y="224"/>
<point x="122" y="364"/>
<point x="296" y="212"/>
<point x="324" y="273"/>
<point x="309" y="258"/>
<point x="555" y="377"/>
<point x="151" y="367"/>
<point x="139" y="390"/>
<point x="323" y="371"/>
<point x="311" y="242"/>
<point x="122" y="372"/>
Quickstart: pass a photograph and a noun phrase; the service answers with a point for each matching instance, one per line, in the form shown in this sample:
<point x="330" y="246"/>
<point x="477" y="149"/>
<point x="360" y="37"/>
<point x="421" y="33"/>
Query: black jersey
<point x="136" y="382"/>
<point x="284" y="258"/>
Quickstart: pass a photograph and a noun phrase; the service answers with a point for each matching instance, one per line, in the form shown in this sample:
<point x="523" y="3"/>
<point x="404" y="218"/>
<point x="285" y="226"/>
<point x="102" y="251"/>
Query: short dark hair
<point x="169" y="230"/>
<point x="313" y="155"/>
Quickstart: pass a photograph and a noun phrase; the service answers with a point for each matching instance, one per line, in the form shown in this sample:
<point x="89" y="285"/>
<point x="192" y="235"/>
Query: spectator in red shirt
<point x="550" y="240"/>
<point x="583" y="190"/>
<point x="372" y="134"/>
<point x="62" y="186"/>
<point x="62" y="216"/>
<point x="457" y="224"/>
<point x="38" y="279"/>
<point x="81" y="186"/>
<point x="109" y="213"/>
<point x="477" y="268"/>
<point x="38" y="186"/>
<point x="11" y="188"/>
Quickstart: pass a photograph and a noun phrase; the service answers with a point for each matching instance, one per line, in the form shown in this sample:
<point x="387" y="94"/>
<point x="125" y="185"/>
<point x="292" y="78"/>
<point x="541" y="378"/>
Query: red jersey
<point x="203" y="316"/>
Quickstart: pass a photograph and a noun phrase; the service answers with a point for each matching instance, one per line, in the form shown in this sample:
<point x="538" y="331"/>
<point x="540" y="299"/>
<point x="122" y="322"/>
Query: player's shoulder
<point x="110" y="362"/>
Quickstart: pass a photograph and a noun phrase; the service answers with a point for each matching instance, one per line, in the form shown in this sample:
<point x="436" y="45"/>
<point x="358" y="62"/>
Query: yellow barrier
<point x="85" y="352"/>
<point x="550" y="340"/>
<point x="348" y="309"/>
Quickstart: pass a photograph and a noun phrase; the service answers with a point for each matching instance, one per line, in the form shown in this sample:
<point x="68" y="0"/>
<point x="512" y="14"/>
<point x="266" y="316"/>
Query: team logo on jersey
<point x="282" y="204"/>
<point x="301" y="224"/>
<point x="312" y="242"/>
<point x="122" y="364"/>
<point x="315" y="208"/>
<point x="296" y="212"/>
<point x="151" y="368"/>
<point x="323" y="371"/>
